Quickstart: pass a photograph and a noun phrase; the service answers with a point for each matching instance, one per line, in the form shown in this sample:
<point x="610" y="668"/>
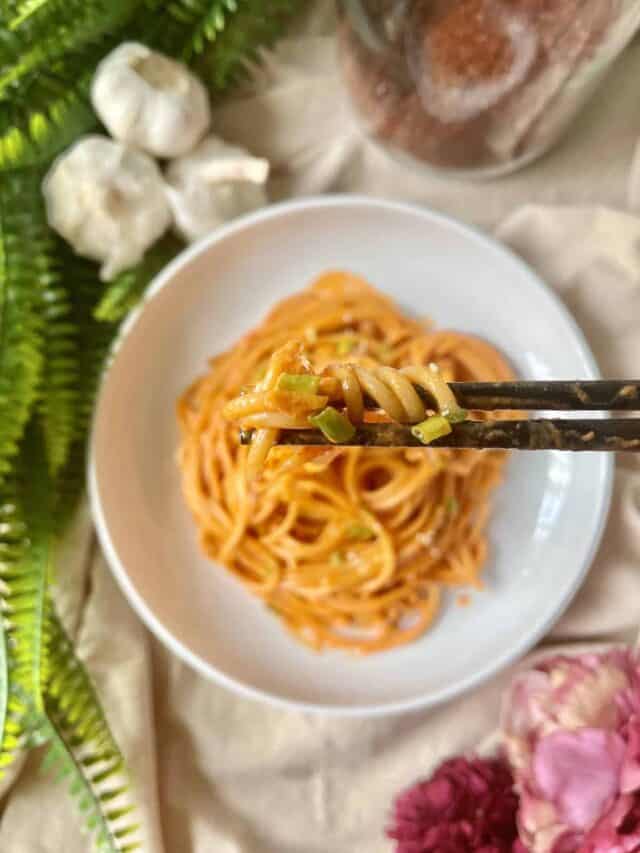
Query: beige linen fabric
<point x="219" y="774"/>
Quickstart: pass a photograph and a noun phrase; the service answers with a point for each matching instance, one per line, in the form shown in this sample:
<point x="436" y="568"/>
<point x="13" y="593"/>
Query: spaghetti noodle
<point x="350" y="547"/>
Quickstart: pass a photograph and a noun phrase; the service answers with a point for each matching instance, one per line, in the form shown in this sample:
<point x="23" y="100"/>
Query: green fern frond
<point x="13" y="545"/>
<point x="58" y="401"/>
<point x="84" y="750"/>
<point x="219" y="36"/>
<point x="22" y="235"/>
<point x="125" y="291"/>
<point x="7" y="11"/>
<point x="169" y="26"/>
<point x="254" y="25"/>
<point x="26" y="555"/>
<point x="26" y="598"/>
<point x="45" y="30"/>
<point x="93" y="340"/>
<point x="206" y="19"/>
<point x="48" y="110"/>
<point x="31" y="135"/>
<point x="8" y="744"/>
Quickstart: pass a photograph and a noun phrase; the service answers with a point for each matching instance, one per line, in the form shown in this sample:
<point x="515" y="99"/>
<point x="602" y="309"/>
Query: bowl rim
<point x="164" y="279"/>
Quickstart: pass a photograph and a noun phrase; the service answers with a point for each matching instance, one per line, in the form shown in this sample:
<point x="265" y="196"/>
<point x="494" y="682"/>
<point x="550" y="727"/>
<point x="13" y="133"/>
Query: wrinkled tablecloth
<point x="218" y="774"/>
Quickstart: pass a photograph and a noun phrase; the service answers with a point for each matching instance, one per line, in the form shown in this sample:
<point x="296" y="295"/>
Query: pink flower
<point x="467" y="806"/>
<point x="572" y="735"/>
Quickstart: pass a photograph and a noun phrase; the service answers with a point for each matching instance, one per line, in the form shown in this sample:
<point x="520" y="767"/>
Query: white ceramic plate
<point x="548" y="515"/>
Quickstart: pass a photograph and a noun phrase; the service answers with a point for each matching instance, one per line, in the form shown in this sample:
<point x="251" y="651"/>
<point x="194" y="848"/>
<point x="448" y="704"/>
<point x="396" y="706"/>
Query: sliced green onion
<point x="451" y="505"/>
<point x="336" y="427"/>
<point x="455" y="416"/>
<point x="336" y="558"/>
<point x="434" y="427"/>
<point x="346" y="345"/>
<point x="359" y="531"/>
<point x="299" y="383"/>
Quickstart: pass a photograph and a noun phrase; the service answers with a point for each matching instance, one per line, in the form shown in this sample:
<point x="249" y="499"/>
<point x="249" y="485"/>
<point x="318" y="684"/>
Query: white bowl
<point x="548" y="515"/>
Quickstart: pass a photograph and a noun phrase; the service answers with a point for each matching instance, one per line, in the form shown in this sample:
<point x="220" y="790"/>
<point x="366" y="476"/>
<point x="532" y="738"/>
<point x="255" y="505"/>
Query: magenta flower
<point x="572" y="735"/>
<point x="467" y="806"/>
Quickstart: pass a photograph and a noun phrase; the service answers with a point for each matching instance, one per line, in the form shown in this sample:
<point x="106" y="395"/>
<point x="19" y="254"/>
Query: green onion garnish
<point x="451" y="505"/>
<point x="346" y="345"/>
<point x="299" y="383"/>
<point x="455" y="416"/>
<point x="336" y="558"/>
<point x="434" y="427"/>
<point x="335" y="427"/>
<point x="360" y="532"/>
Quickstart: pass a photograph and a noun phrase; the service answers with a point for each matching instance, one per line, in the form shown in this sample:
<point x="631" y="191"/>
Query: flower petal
<point x="579" y="773"/>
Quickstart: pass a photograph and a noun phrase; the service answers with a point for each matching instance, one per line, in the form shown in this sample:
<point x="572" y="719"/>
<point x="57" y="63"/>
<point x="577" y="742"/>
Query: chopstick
<point x="622" y="434"/>
<point x="593" y="396"/>
<point x="608" y="434"/>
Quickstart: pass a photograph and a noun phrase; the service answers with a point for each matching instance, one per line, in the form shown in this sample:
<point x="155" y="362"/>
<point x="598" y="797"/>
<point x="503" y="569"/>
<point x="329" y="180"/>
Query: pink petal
<point x="579" y="773"/>
<point x="605" y="837"/>
<point x="630" y="775"/>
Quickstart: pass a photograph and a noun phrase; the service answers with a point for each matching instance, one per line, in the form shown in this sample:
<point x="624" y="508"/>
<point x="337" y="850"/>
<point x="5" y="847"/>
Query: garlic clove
<point x="108" y="201"/>
<point x="215" y="183"/>
<point x="150" y="101"/>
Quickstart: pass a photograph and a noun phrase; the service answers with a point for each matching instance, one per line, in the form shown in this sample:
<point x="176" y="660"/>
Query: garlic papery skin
<point x="108" y="201"/>
<point x="213" y="184"/>
<point x="150" y="101"/>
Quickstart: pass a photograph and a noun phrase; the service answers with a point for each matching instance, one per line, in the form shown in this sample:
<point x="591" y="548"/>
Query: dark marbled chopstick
<point x="616" y="434"/>
<point x="589" y="396"/>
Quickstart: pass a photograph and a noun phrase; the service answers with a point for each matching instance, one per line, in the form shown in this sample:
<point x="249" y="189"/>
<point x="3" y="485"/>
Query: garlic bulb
<point x="213" y="184"/>
<point x="108" y="201"/>
<point x="150" y="101"/>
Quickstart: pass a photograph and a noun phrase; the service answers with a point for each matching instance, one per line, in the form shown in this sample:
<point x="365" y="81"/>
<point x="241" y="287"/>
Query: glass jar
<point x="477" y="87"/>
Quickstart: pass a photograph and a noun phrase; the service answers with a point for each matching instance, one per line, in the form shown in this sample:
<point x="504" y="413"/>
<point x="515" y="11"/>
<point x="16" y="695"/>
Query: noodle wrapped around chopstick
<point x="296" y="398"/>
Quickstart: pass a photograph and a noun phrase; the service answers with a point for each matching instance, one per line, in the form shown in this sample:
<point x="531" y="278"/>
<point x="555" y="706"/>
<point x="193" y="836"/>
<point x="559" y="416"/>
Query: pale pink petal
<point x="579" y="773"/>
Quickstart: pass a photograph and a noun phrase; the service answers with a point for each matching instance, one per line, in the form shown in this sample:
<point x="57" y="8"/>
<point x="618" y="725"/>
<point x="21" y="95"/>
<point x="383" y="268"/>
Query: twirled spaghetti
<point x="350" y="547"/>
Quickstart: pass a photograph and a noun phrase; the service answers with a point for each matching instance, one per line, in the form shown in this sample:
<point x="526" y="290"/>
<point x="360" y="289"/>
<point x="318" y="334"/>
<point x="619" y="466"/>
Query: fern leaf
<point x="26" y="600"/>
<point x="26" y="554"/>
<point x="219" y="36"/>
<point x="205" y="18"/>
<point x="255" y="24"/>
<point x="61" y="372"/>
<point x="22" y="234"/>
<point x="124" y="292"/>
<point x="6" y="746"/>
<point x="93" y="340"/>
<point x="7" y="11"/>
<point x="13" y="544"/>
<point x="45" y="30"/>
<point x="83" y="749"/>
<point x="46" y="113"/>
